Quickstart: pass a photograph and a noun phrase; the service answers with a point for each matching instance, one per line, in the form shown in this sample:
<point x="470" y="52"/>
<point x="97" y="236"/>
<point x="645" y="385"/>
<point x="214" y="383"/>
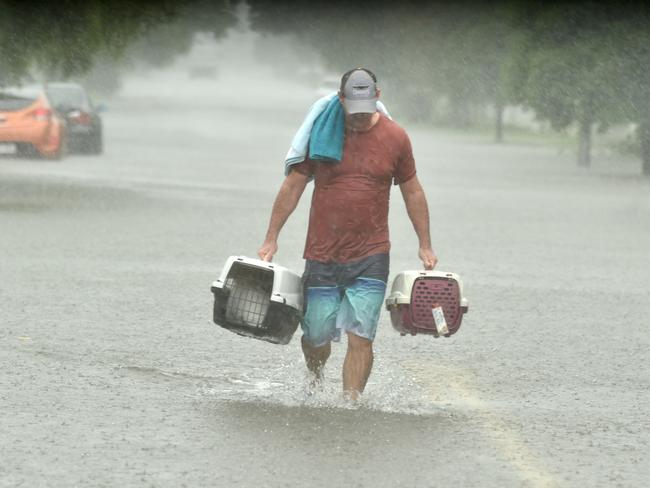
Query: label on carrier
<point x="439" y="319"/>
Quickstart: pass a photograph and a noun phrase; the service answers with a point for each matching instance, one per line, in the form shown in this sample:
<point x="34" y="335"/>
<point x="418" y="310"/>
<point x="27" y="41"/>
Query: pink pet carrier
<point x="414" y="295"/>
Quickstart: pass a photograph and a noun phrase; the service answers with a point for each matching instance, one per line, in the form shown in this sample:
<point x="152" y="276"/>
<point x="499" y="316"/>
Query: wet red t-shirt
<point x="349" y="208"/>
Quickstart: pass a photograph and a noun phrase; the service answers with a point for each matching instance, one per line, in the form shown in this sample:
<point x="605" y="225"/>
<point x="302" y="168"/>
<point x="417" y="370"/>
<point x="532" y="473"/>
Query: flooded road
<point x="114" y="375"/>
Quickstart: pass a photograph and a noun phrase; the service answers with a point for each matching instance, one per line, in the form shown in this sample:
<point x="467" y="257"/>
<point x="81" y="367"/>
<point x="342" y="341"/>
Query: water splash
<point x="288" y="384"/>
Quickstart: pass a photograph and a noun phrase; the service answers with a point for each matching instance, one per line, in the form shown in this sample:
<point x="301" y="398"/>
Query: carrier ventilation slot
<point x="430" y="291"/>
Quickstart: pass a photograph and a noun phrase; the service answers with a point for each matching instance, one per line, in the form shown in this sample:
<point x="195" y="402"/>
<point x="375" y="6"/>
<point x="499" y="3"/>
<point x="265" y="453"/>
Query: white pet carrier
<point x="258" y="299"/>
<point x="414" y="295"/>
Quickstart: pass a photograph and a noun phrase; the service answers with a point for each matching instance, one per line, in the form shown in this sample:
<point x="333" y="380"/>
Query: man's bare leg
<point x="316" y="357"/>
<point x="357" y="365"/>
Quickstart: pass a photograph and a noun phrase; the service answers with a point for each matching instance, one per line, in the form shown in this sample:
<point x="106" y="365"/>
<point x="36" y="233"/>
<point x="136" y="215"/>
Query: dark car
<point x="83" y="120"/>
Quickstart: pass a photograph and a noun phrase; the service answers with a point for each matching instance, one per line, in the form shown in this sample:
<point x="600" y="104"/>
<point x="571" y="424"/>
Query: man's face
<point x="362" y="118"/>
<point x="359" y="120"/>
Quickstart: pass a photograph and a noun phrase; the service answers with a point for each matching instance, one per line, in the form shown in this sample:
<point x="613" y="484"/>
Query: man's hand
<point x="268" y="250"/>
<point x="285" y="203"/>
<point x="428" y="257"/>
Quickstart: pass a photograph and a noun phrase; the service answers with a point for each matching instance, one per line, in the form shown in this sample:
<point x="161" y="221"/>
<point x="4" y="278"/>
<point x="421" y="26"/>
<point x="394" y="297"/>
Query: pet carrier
<point x="258" y="299"/>
<point x="414" y="296"/>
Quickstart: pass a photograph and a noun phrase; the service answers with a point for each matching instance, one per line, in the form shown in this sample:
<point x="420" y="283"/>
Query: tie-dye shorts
<point x="345" y="297"/>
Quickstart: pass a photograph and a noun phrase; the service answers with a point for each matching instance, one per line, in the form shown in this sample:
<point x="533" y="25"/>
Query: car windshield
<point x="67" y="96"/>
<point x="13" y="99"/>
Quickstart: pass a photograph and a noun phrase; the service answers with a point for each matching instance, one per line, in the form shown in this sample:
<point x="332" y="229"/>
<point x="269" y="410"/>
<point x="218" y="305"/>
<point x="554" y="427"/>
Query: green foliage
<point x="66" y="38"/>
<point x="565" y="68"/>
<point x="422" y="52"/>
<point x="585" y="62"/>
<point x="166" y="40"/>
<point x="633" y="61"/>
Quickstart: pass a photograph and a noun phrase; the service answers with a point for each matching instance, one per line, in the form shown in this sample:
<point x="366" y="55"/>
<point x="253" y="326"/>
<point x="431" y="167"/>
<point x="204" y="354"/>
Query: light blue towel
<point x="300" y="142"/>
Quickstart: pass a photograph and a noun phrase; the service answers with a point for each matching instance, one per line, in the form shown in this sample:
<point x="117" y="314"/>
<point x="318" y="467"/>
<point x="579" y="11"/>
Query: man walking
<point x="347" y="248"/>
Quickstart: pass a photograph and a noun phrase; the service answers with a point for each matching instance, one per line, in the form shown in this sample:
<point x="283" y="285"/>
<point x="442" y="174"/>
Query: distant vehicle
<point x="83" y="120"/>
<point x="29" y="125"/>
<point x="203" y="71"/>
<point x="329" y="85"/>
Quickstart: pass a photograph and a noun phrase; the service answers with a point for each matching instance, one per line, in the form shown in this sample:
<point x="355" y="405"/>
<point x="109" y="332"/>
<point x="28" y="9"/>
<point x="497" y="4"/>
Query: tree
<point x="65" y="38"/>
<point x="423" y="52"/>
<point x="393" y="39"/>
<point x="473" y="44"/>
<point x="564" y="67"/>
<point x="583" y="63"/>
<point x="633" y="64"/>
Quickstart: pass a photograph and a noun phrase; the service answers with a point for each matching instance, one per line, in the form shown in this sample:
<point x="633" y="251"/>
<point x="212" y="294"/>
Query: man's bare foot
<point x="314" y="383"/>
<point x="351" y="395"/>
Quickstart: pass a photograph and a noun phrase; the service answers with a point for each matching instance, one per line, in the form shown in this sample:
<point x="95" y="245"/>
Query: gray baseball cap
<point x="359" y="91"/>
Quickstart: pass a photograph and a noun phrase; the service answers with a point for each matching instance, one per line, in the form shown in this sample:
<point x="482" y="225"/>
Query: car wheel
<point x="25" y="151"/>
<point x="93" y="143"/>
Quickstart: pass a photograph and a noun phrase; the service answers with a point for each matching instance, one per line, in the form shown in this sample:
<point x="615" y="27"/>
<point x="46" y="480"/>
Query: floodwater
<point x="114" y="375"/>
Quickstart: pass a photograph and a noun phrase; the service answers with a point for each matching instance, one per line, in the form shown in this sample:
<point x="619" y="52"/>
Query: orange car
<point x="29" y="125"/>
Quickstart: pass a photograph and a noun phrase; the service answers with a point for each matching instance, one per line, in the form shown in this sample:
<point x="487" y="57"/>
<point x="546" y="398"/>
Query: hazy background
<point x="576" y="72"/>
<point x="111" y="370"/>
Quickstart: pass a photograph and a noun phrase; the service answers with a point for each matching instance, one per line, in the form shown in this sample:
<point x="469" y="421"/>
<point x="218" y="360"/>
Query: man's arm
<point x="418" y="211"/>
<point x="285" y="203"/>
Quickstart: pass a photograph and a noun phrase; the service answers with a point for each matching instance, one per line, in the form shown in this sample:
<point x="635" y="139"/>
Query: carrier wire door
<point x="258" y="299"/>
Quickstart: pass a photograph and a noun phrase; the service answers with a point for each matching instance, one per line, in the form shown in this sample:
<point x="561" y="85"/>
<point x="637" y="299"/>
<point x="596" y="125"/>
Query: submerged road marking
<point x="508" y="443"/>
